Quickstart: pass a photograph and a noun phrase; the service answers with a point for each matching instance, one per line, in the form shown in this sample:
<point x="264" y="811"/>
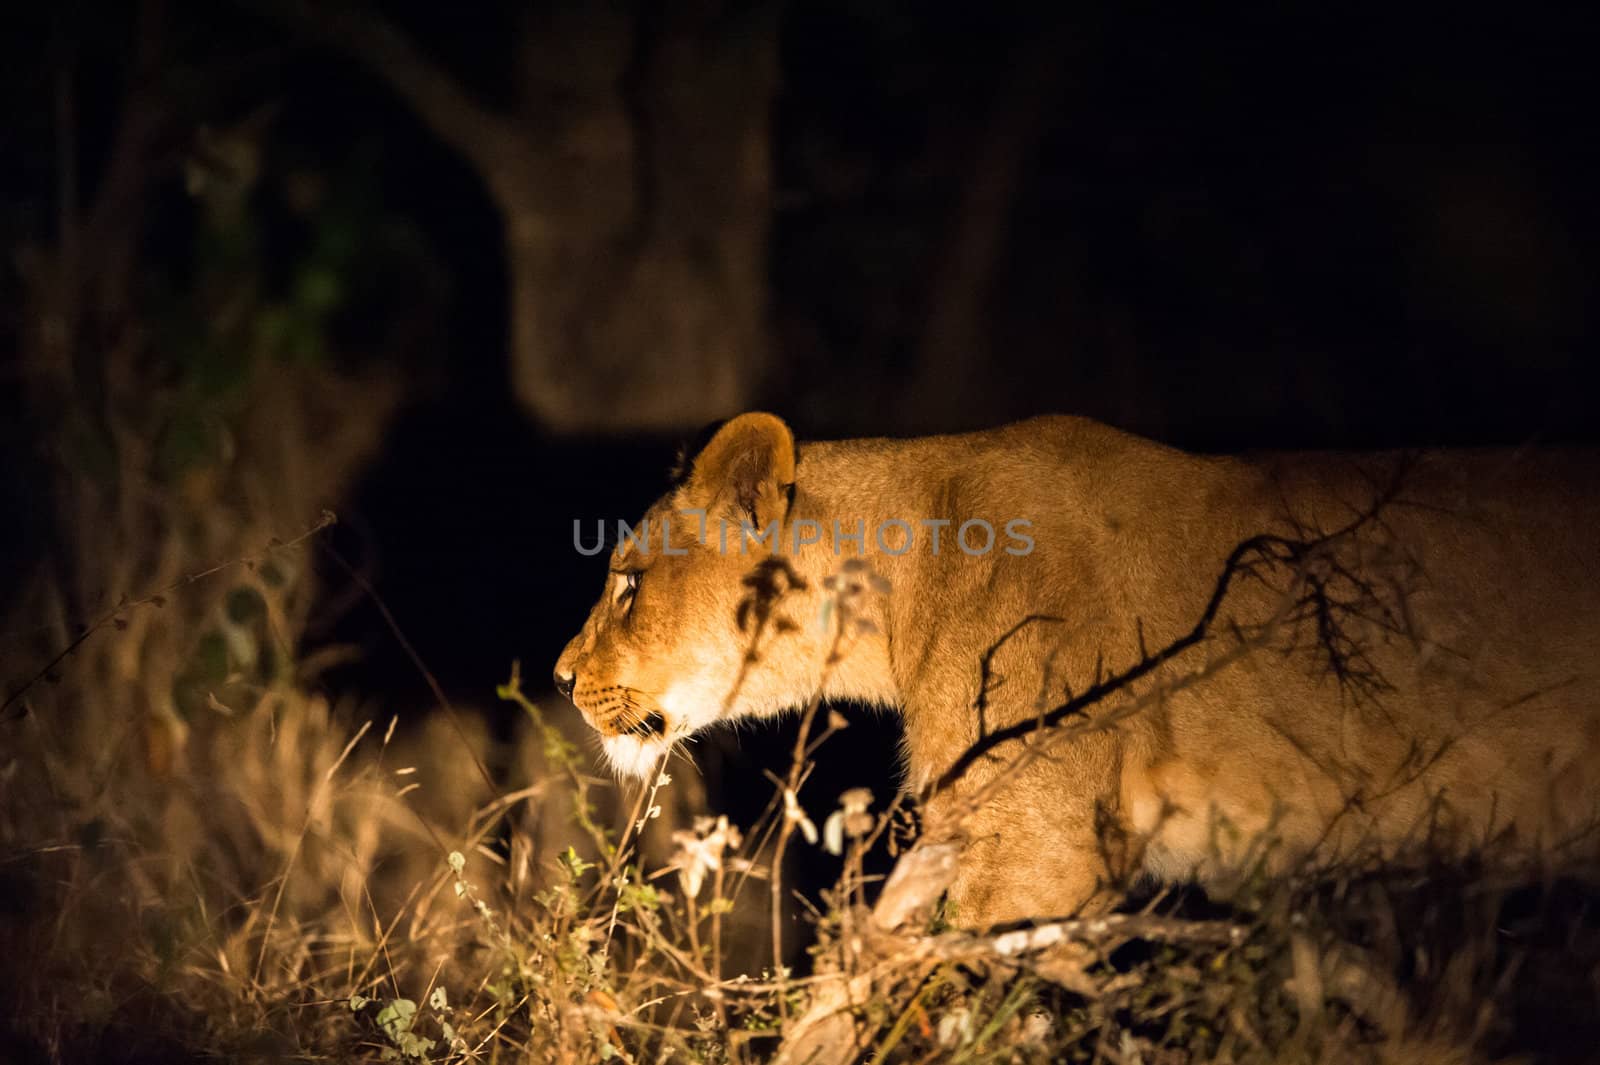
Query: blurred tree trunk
<point x="633" y="178"/>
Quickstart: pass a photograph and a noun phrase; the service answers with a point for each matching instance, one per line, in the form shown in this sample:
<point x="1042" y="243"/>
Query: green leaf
<point x="397" y="1017"/>
<point x="576" y="866"/>
<point x="415" y="1046"/>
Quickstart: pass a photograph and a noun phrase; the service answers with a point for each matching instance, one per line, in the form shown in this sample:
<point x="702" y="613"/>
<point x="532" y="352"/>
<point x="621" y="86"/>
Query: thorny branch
<point x="1316" y="573"/>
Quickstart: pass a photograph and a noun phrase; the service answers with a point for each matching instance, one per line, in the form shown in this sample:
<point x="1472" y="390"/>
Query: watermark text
<point x="889" y="536"/>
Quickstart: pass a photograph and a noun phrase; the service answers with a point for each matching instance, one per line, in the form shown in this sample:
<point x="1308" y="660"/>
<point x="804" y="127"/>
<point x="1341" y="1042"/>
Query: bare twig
<point x="828" y="1032"/>
<point x="1242" y="560"/>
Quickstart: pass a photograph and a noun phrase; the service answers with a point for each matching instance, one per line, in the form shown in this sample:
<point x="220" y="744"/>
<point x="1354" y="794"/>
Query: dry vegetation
<point x="205" y="859"/>
<point x="203" y="856"/>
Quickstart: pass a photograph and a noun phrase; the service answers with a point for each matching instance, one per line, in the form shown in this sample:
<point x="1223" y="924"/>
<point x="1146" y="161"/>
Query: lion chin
<point x="634" y="758"/>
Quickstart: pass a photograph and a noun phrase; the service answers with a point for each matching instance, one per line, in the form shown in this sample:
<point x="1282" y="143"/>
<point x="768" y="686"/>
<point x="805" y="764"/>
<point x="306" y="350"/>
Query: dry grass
<point x="319" y="885"/>
<point x="203" y="858"/>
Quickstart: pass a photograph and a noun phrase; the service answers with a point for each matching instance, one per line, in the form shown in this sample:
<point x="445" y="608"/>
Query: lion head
<point x="698" y="621"/>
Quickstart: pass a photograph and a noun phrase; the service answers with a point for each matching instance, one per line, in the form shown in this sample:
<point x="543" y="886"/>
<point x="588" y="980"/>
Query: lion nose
<point x="565" y="683"/>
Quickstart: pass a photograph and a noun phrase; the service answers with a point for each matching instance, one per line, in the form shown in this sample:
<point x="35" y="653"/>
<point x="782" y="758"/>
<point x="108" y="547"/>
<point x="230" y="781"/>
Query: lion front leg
<point x="1048" y="843"/>
<point x="1034" y="870"/>
<point x="1040" y="816"/>
<point x="1024" y="869"/>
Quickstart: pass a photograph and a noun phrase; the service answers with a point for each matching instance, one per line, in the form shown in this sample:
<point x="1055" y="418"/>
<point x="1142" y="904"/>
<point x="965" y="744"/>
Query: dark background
<point x="1284" y="226"/>
<point x="1235" y="230"/>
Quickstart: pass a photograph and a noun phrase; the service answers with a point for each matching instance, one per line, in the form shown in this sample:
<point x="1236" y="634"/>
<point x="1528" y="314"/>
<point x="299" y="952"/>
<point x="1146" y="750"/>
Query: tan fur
<point x="1478" y="719"/>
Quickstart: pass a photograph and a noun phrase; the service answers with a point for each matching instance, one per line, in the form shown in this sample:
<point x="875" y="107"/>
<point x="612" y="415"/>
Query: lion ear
<point x="748" y="465"/>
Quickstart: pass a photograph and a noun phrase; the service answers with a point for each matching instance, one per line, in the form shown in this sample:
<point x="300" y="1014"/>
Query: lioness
<point x="1276" y="658"/>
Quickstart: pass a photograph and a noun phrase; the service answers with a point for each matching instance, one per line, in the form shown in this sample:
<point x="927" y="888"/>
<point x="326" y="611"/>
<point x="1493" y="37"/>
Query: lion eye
<point x="627" y="586"/>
